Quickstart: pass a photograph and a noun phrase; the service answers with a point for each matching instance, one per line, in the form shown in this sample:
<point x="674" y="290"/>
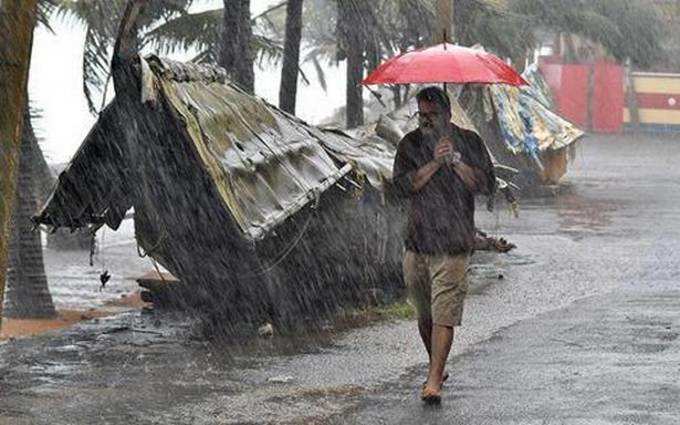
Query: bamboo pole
<point x="444" y="25"/>
<point x="444" y="29"/>
<point x="17" y="19"/>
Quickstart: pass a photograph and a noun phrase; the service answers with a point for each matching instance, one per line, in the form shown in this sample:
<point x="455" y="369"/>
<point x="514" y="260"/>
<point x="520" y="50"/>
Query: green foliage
<point x="398" y="310"/>
<point x="201" y="32"/>
<point x="189" y="31"/>
<point x="101" y="18"/>
<point x="165" y="25"/>
<point x="492" y="25"/>
<point x="627" y="29"/>
<point x="44" y="10"/>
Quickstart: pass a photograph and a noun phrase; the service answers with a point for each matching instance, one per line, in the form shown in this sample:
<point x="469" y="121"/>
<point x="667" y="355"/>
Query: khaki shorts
<point x="437" y="286"/>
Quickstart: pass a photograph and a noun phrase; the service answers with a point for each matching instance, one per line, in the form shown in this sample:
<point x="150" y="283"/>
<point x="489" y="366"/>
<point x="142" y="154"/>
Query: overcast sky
<point x="55" y="87"/>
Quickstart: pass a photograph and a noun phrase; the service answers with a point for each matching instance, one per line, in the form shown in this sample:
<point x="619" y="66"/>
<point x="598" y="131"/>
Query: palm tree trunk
<point x="291" y="56"/>
<point x="27" y="293"/>
<point x="235" y="50"/>
<point x="355" y="99"/>
<point x="353" y="47"/>
<point x="45" y="181"/>
<point x="17" y="18"/>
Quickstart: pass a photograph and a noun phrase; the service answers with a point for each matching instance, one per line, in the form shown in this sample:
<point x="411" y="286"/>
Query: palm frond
<point x="266" y="49"/>
<point x="45" y="9"/>
<point x="100" y="19"/>
<point x="95" y="65"/>
<point x="205" y="56"/>
<point x="320" y="74"/>
<point x="278" y="10"/>
<point x="199" y="31"/>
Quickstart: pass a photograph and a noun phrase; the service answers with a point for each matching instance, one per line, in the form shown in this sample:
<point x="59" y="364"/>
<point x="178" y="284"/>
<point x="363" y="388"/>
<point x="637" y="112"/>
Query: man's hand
<point x="467" y="174"/>
<point x="442" y="151"/>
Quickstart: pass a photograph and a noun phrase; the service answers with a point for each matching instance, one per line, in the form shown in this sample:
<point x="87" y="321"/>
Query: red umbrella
<point x="445" y="63"/>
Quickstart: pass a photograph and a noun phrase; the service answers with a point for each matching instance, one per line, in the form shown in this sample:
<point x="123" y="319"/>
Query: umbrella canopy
<point x="445" y="63"/>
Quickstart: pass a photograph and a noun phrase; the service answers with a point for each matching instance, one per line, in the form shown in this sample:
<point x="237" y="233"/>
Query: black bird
<point x="103" y="278"/>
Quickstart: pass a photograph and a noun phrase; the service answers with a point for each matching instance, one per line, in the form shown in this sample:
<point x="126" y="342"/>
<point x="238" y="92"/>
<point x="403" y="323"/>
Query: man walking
<point x="439" y="167"/>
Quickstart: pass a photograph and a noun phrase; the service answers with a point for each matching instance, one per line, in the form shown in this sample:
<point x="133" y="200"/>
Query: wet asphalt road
<point x="582" y="329"/>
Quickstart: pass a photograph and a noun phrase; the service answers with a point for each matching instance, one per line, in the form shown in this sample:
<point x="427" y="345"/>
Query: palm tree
<point x="27" y="294"/>
<point x="27" y="291"/>
<point x="16" y="35"/>
<point x="351" y="32"/>
<point x="291" y="56"/>
<point x="235" y="50"/>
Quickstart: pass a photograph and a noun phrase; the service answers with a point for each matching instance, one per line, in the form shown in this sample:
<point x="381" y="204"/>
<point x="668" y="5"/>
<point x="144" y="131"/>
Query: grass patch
<point x="398" y="310"/>
<point x="365" y="316"/>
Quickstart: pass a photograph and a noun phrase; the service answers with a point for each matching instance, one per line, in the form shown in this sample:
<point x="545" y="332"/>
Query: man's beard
<point x="427" y="130"/>
<point x="433" y="131"/>
<point x="430" y="135"/>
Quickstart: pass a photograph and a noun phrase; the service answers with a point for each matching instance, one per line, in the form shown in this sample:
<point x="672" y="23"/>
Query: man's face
<point x="432" y="119"/>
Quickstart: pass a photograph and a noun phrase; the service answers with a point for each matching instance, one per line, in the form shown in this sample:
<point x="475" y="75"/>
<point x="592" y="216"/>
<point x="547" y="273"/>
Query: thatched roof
<point x="264" y="163"/>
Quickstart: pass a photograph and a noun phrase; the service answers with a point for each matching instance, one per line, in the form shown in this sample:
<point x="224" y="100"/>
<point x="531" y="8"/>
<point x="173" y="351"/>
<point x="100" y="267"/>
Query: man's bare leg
<point x="425" y="329"/>
<point x="442" y="337"/>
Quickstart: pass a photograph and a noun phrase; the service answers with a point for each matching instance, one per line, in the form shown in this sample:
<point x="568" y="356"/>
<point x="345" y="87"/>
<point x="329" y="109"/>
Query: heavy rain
<point x="339" y="211"/>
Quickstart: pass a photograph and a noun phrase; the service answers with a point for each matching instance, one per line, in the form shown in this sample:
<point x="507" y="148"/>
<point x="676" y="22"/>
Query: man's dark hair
<point x="435" y="95"/>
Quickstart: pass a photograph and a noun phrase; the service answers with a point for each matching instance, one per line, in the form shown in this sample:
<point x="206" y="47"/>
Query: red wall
<point x="572" y="96"/>
<point x="569" y="85"/>
<point x="608" y="98"/>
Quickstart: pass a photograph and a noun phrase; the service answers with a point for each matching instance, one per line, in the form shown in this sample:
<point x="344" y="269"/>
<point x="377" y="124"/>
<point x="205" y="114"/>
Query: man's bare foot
<point x="444" y="378"/>
<point x="431" y="395"/>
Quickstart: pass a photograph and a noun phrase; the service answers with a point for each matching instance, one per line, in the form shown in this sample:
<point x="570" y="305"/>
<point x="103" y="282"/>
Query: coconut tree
<point x="358" y="35"/>
<point x="352" y="48"/>
<point x="291" y="56"/>
<point x="235" y="51"/>
<point x="366" y="31"/>
<point x="17" y="19"/>
<point x="27" y="293"/>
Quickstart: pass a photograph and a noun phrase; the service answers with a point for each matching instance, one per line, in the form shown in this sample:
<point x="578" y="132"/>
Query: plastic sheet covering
<point x="527" y="126"/>
<point x="538" y="87"/>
